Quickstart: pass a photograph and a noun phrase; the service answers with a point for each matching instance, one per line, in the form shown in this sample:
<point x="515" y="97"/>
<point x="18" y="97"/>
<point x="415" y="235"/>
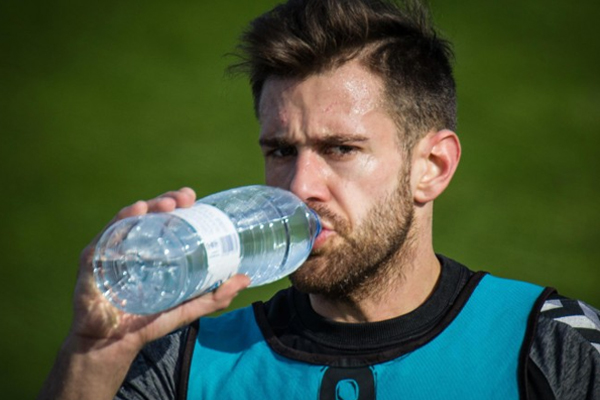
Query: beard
<point x="367" y="256"/>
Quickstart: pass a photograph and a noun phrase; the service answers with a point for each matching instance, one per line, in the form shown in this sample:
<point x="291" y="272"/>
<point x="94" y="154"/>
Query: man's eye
<point x="280" y="152"/>
<point x="341" y="150"/>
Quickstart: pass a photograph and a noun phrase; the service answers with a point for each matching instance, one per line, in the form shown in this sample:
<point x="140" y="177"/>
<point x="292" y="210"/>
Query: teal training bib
<point x="475" y="357"/>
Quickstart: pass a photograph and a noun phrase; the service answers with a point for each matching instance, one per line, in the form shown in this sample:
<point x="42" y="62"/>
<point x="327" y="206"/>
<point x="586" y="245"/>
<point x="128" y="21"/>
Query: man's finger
<point x="183" y="197"/>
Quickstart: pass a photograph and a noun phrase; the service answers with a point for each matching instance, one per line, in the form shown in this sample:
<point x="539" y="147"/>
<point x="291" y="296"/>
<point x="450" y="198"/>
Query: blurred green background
<point x="106" y="103"/>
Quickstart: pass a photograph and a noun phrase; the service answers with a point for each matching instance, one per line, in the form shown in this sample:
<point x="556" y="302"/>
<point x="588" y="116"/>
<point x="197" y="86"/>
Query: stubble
<point x="368" y="257"/>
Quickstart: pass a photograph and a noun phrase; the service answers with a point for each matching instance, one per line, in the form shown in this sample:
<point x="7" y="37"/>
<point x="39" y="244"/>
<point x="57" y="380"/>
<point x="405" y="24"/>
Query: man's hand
<point x="103" y="340"/>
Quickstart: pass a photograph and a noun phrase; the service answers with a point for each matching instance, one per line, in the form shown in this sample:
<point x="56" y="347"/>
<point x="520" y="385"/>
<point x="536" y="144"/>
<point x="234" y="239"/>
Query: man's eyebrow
<point x="274" y="142"/>
<point x="342" y="139"/>
<point x="325" y="140"/>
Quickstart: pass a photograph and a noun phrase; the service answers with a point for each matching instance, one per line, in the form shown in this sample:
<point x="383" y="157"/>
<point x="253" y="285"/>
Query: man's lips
<point x="322" y="237"/>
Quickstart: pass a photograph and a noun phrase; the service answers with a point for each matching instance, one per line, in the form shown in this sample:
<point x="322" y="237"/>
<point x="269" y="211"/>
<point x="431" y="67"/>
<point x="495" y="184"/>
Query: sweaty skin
<point x="328" y="139"/>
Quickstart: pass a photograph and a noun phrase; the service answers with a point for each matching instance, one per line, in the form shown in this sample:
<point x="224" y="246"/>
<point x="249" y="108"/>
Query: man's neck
<point x="399" y="291"/>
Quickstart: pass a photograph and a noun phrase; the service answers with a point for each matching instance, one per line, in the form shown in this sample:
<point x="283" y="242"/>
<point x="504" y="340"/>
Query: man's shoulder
<point x="564" y="358"/>
<point x="562" y="317"/>
<point x="155" y="372"/>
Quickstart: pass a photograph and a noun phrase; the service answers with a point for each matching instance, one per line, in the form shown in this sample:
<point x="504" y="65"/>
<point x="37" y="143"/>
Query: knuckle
<point x="122" y="212"/>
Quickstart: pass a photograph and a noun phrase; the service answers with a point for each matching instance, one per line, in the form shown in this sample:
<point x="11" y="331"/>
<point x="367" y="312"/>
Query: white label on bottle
<point x="220" y="238"/>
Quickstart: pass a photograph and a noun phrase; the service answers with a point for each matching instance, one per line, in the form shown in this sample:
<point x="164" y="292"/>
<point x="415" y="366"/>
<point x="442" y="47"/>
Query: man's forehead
<point x="273" y="91"/>
<point x="350" y="88"/>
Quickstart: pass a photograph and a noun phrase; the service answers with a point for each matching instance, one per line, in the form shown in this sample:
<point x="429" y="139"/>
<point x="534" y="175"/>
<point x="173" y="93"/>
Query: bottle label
<point x="220" y="238"/>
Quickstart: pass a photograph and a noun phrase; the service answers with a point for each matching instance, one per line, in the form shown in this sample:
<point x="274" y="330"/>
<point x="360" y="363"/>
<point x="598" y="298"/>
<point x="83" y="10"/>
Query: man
<point x="356" y="103"/>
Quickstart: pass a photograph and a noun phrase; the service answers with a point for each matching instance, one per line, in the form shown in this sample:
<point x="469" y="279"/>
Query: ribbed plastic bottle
<point x="153" y="262"/>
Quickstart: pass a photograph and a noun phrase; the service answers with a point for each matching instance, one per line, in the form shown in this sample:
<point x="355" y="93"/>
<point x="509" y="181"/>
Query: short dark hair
<point x="398" y="43"/>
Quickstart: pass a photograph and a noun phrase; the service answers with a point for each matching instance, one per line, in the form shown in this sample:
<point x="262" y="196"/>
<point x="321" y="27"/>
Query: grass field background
<point x="104" y="104"/>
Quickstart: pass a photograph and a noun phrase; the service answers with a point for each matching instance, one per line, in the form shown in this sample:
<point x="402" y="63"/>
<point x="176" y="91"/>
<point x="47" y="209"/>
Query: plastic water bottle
<point x="153" y="262"/>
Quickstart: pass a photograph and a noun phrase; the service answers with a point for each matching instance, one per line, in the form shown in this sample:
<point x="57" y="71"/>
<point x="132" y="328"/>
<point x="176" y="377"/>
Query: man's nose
<point x="309" y="179"/>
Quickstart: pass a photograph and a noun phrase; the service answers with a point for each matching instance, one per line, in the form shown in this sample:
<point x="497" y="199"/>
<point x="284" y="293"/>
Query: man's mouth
<point x="323" y="236"/>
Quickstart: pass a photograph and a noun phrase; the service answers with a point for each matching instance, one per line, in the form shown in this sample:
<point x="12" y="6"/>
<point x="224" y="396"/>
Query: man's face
<point x="329" y="140"/>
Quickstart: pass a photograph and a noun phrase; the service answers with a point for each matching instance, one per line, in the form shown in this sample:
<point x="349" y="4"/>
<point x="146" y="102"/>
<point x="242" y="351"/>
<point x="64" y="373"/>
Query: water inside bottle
<point x="275" y="233"/>
<point x="148" y="264"/>
<point x="157" y="266"/>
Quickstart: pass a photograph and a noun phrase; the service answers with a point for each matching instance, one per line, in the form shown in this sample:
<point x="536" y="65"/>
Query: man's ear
<point x="435" y="158"/>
